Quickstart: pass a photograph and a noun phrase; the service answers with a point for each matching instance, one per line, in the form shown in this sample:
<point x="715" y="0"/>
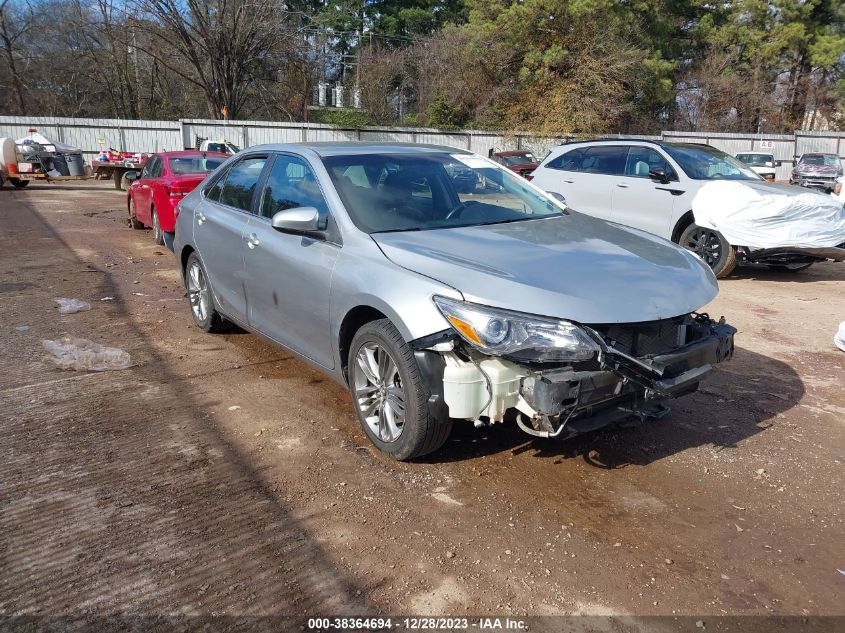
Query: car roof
<point x="755" y="152"/>
<point x="819" y="154"/>
<point x="357" y="148"/>
<point x="190" y="153"/>
<point x="631" y="139"/>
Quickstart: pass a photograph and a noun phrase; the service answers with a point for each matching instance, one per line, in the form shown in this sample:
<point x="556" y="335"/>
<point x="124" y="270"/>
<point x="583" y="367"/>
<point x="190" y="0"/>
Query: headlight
<point x="519" y="336"/>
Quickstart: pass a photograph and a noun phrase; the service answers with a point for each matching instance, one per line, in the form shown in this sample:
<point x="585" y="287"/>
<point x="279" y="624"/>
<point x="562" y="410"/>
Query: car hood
<point x="570" y="266"/>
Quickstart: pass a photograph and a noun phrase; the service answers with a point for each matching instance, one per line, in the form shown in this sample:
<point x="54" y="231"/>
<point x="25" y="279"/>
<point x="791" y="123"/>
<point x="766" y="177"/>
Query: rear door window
<point x="607" y="160"/>
<point x="569" y="161"/>
<point x="241" y="182"/>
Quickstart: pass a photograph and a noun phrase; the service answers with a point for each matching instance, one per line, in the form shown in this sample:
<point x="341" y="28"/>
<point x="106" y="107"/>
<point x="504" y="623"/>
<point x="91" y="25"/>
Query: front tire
<point x="710" y="246"/>
<point x="158" y="234"/>
<point x="201" y="298"/>
<point x="390" y="395"/>
<point x="134" y="222"/>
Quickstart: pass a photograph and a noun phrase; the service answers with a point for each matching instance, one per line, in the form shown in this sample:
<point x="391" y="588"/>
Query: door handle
<point x="200" y="217"/>
<point x="621" y="185"/>
<point x="571" y="182"/>
<point x="252" y="240"/>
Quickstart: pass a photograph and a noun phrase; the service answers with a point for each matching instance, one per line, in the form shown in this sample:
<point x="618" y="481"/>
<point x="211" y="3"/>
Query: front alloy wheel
<point x="379" y="393"/>
<point x="391" y="394"/>
<point x="711" y="247"/>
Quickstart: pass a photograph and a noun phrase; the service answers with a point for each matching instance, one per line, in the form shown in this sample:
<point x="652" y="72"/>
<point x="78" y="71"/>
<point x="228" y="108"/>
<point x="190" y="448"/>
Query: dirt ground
<point x="220" y="476"/>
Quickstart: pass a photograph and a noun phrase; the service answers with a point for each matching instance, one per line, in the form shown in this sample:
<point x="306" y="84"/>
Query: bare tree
<point x="221" y="44"/>
<point x="16" y="21"/>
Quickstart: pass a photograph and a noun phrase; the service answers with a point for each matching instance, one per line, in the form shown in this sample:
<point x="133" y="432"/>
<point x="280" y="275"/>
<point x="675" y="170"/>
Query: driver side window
<point x="642" y="160"/>
<point x="290" y="184"/>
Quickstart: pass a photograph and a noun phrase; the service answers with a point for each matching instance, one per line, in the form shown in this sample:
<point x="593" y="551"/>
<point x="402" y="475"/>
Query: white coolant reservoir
<point x="465" y="388"/>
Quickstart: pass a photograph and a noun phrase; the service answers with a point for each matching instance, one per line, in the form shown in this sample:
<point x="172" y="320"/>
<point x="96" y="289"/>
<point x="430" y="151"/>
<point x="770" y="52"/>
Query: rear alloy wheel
<point x="134" y="222"/>
<point x="158" y="234"/>
<point x="711" y="247"/>
<point x="200" y="296"/>
<point x="390" y="394"/>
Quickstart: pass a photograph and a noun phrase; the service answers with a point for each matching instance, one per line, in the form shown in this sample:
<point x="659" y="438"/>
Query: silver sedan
<point x="439" y="286"/>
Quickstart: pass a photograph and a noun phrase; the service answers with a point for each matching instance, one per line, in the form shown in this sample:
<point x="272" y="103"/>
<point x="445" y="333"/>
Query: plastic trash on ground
<point x="839" y="339"/>
<point x="748" y="214"/>
<point x="70" y="306"/>
<point x="84" y="355"/>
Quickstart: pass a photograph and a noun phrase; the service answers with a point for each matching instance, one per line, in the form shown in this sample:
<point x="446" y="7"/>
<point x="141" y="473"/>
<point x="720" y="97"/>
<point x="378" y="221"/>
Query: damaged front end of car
<point x="557" y="378"/>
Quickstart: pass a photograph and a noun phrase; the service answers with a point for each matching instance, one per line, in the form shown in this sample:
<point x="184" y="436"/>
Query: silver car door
<point x="220" y="224"/>
<point x="289" y="276"/>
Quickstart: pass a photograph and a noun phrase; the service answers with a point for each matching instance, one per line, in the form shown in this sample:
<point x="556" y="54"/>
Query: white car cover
<point x="757" y="219"/>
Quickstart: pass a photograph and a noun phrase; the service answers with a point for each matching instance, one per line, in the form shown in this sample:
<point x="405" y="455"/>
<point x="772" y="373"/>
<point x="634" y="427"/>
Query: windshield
<point x="193" y="164"/>
<point x="702" y="162"/>
<point x="820" y="159"/>
<point x="519" y="159"/>
<point x="414" y="192"/>
<point x="757" y="160"/>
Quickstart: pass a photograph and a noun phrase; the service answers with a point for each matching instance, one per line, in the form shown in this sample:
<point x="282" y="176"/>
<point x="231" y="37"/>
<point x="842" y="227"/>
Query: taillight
<point x="837" y="189"/>
<point x="177" y="191"/>
<point x="529" y="176"/>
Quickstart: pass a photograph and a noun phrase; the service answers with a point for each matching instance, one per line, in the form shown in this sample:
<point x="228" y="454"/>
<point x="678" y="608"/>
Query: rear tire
<point x="711" y="247"/>
<point x="201" y="297"/>
<point x="134" y="222"/>
<point x="158" y="234"/>
<point x="390" y="395"/>
<point x="17" y="182"/>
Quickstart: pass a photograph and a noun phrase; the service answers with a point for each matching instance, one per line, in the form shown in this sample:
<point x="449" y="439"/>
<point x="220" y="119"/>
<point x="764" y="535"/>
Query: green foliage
<point x="442" y="113"/>
<point x="345" y="118"/>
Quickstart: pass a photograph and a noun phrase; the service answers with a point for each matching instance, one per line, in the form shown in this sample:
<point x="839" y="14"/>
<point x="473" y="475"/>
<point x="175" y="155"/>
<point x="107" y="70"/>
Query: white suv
<point x="650" y="185"/>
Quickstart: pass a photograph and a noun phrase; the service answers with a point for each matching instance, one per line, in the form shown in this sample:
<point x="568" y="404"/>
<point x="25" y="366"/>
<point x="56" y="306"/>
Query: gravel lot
<point x="221" y="476"/>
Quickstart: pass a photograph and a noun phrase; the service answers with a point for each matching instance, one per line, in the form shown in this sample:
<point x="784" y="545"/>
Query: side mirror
<point x="299" y="220"/>
<point x="778" y="163"/>
<point x="557" y="196"/>
<point x="659" y="175"/>
<point x="132" y="175"/>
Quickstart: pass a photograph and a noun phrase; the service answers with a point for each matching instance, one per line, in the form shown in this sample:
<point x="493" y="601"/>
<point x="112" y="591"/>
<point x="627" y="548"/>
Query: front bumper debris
<point x="639" y="367"/>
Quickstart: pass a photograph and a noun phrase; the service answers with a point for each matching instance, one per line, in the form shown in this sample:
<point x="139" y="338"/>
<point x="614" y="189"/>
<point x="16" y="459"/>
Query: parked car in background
<point x="817" y="171"/>
<point x="163" y="182"/>
<point x="650" y="185"/>
<point x="521" y="162"/>
<point x="434" y="305"/>
<point x="221" y="146"/>
<point x="761" y="163"/>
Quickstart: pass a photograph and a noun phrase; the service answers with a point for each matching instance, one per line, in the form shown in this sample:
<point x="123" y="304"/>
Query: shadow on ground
<point x="122" y="504"/>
